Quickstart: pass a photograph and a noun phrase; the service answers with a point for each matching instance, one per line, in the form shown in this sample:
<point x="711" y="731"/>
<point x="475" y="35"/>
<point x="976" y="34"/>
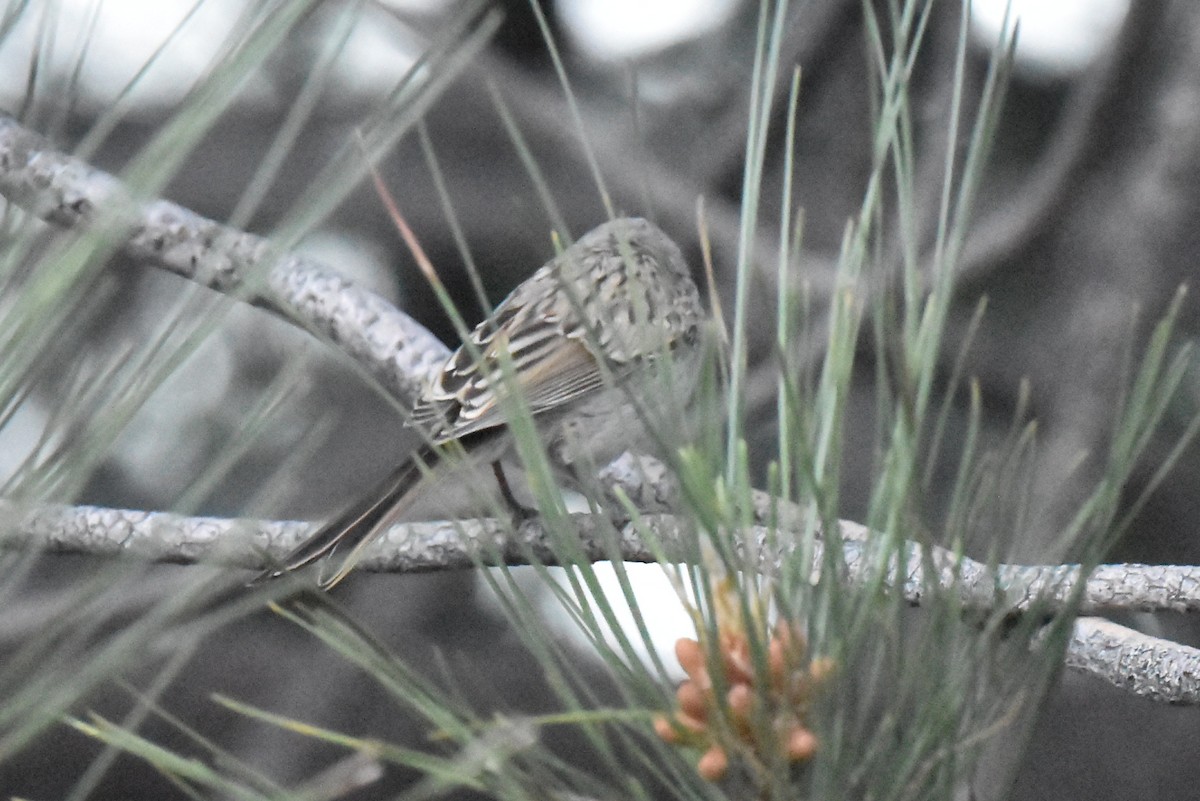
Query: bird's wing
<point x="552" y="364"/>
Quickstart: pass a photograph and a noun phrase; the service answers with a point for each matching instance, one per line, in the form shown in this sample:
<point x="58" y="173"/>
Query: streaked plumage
<point x="583" y="334"/>
<point x="593" y="305"/>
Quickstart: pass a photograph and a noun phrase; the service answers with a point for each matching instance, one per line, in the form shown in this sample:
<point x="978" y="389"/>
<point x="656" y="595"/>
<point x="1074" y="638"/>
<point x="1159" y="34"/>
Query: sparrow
<point x="602" y="334"/>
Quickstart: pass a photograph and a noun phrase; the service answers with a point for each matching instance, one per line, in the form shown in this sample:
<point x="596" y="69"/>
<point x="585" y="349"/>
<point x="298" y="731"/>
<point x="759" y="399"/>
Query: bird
<point x="583" y="344"/>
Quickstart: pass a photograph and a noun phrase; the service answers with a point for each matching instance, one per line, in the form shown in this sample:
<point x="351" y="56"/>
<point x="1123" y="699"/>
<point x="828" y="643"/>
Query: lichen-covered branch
<point x="68" y="192"/>
<point x="1138" y="663"/>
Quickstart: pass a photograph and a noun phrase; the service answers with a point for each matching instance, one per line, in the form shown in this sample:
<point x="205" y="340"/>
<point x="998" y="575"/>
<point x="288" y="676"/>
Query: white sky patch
<point x="1058" y="38"/>
<point x="378" y="53"/>
<point x="418" y="6"/>
<point x="22" y="434"/>
<point x="619" y="29"/>
<point x="662" y="612"/>
<point x="125" y="36"/>
<point x="127" y="33"/>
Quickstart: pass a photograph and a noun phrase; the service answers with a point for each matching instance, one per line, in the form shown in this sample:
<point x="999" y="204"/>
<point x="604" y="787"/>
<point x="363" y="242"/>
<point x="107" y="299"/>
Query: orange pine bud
<point x="735" y="653"/>
<point x="713" y="765"/>
<point x="801" y="744"/>
<point x="691" y="659"/>
<point x="821" y="669"/>
<point x="692" y="700"/>
<point x="777" y="661"/>
<point x="741" y="702"/>
<point x="666" y="730"/>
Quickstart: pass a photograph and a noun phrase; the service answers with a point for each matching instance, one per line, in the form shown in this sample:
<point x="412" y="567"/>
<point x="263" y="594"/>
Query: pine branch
<point x="61" y="189"/>
<point x="462" y="544"/>
<point x="1138" y="663"/>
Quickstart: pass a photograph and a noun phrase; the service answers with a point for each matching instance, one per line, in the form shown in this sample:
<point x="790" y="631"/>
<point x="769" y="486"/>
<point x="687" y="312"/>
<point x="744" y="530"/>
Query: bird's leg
<point x="520" y="512"/>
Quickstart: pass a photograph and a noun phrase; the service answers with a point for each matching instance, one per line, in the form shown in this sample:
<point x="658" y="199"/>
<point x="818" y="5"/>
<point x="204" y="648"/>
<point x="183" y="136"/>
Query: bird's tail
<point x="361" y="523"/>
